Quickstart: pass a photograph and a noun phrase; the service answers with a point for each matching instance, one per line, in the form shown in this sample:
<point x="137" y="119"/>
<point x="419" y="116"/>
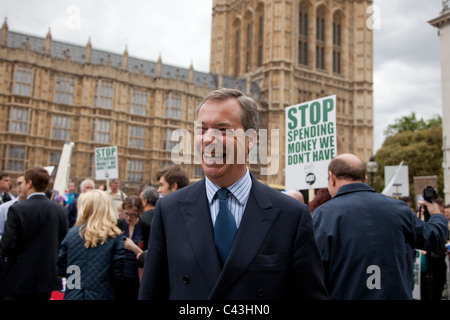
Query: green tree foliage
<point x="411" y="123"/>
<point x="420" y="149"/>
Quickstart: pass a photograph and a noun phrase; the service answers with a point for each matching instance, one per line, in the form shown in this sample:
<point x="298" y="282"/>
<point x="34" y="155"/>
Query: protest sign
<point x="310" y="143"/>
<point x="106" y="164"/>
<point x="63" y="174"/>
<point x="398" y="178"/>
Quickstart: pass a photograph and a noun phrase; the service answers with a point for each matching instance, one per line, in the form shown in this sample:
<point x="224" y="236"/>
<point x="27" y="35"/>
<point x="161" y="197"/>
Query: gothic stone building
<point x="280" y="52"/>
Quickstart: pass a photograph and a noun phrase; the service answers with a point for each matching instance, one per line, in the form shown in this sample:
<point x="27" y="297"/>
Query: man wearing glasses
<point x="5" y="183"/>
<point x="5" y="206"/>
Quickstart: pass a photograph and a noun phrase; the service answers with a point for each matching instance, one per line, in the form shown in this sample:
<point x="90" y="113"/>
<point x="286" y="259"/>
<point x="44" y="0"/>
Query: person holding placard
<point x="117" y="196"/>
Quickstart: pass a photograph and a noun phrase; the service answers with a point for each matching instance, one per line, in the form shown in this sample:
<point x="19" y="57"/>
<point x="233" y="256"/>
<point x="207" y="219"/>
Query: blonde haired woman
<point x="91" y="255"/>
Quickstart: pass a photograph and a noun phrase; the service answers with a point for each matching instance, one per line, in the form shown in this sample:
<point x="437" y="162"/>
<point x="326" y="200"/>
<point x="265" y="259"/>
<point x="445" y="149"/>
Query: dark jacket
<point x="33" y="231"/>
<point x="132" y="265"/>
<point x="362" y="238"/>
<point x="99" y="268"/>
<point x="145" y="227"/>
<point x="73" y="211"/>
<point x="274" y="255"/>
<point x="147" y="216"/>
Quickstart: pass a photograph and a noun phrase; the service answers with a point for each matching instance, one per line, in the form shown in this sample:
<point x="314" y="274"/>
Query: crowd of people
<point x="227" y="236"/>
<point x="98" y="234"/>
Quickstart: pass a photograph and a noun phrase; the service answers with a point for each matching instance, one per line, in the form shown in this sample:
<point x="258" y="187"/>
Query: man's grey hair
<point x="83" y="184"/>
<point x="250" y="117"/>
<point x="151" y="194"/>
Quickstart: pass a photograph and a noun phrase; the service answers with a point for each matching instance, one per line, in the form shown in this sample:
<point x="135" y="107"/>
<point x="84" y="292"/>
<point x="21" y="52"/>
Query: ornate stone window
<point x="173" y="106"/>
<point x="137" y="137"/>
<point x="320" y="39"/>
<point x="61" y="126"/>
<point x="303" y="34"/>
<point x="237" y="47"/>
<point x="101" y="130"/>
<point x="14" y="159"/>
<point x="64" y="88"/>
<point x="135" y="170"/>
<point x="18" y="120"/>
<point x="138" y="102"/>
<point x="22" y="82"/>
<point x="337" y="43"/>
<point x="103" y="94"/>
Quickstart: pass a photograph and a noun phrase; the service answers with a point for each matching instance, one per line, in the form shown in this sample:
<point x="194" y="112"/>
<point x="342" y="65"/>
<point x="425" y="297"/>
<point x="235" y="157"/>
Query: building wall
<point x="254" y="47"/>
<point x="263" y="40"/>
<point x="443" y="24"/>
<point x="39" y="118"/>
<point x="445" y="66"/>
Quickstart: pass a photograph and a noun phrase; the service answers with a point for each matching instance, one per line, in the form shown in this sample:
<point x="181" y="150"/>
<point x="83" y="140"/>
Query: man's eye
<point x="199" y="130"/>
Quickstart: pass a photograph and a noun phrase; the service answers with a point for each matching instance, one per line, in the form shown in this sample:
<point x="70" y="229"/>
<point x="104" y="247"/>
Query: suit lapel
<point x="259" y="215"/>
<point x="195" y="212"/>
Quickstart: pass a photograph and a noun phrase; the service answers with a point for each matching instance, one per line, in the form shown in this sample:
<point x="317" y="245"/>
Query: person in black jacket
<point x="362" y="236"/>
<point x="85" y="186"/>
<point x="92" y="254"/>
<point x="137" y="232"/>
<point x="33" y="231"/>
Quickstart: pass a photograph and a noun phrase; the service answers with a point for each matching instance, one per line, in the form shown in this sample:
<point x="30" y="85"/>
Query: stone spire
<point x="125" y="59"/>
<point x="4" y="34"/>
<point x="191" y="73"/>
<point x="445" y="5"/>
<point x="159" y="67"/>
<point x="48" y="43"/>
<point x="88" y="51"/>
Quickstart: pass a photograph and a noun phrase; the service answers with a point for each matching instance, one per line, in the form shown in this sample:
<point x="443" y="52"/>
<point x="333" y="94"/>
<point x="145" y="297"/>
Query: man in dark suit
<point x="362" y="236"/>
<point x="228" y="236"/>
<point x="149" y="196"/>
<point x="5" y="184"/>
<point x="30" y="244"/>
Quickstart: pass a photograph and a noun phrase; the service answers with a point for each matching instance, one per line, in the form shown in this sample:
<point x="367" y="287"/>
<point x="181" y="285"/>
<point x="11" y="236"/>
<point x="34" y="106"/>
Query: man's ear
<point x="29" y="183"/>
<point x="252" y="138"/>
<point x="332" y="178"/>
<point x="174" y="186"/>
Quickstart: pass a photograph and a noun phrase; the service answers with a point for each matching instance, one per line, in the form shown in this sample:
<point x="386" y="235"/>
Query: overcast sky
<point x="407" y="74"/>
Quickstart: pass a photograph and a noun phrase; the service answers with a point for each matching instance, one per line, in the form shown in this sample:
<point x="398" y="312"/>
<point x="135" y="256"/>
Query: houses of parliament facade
<point x="280" y="52"/>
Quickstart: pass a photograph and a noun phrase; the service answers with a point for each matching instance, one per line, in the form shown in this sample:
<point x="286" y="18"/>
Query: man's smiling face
<point x="220" y="140"/>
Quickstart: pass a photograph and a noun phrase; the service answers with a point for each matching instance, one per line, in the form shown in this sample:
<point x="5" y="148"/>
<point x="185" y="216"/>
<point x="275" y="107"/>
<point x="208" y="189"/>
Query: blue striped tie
<point x="225" y="226"/>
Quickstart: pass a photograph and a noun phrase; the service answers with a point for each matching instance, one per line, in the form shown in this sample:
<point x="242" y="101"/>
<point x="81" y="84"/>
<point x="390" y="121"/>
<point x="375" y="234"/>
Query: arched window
<point x="303" y="34"/>
<point x="320" y="38"/>
<point x="249" y="46"/>
<point x="237" y="47"/>
<point x="260" y="44"/>
<point x="337" y="43"/>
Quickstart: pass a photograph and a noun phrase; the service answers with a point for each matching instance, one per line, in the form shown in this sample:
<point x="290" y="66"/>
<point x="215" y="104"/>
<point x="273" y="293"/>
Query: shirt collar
<point x="240" y="189"/>
<point x="353" y="187"/>
<point x="36" y="194"/>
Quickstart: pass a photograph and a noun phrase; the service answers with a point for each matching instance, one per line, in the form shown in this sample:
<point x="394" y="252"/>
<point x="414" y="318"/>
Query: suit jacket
<point x="274" y="255"/>
<point x="147" y="216"/>
<point x="362" y="238"/>
<point x="34" y="229"/>
<point x="145" y="227"/>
